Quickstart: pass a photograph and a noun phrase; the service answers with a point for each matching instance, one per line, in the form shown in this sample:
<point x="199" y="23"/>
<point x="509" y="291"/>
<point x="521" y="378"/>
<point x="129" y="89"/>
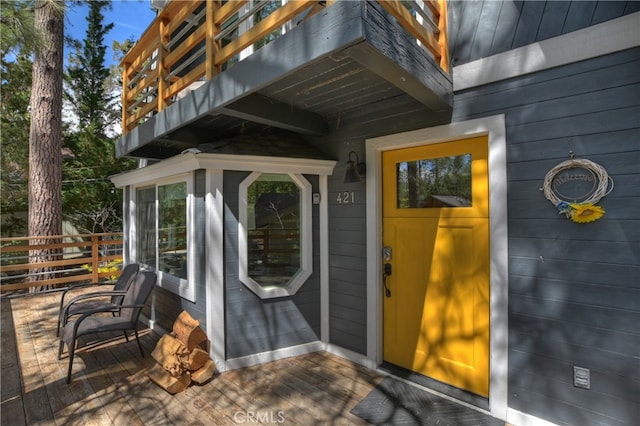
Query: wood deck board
<point x="109" y="384"/>
<point x="114" y="402"/>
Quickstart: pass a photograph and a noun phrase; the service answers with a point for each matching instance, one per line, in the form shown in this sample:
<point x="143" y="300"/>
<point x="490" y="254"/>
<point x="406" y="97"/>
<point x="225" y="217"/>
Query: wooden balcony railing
<point x="195" y="40"/>
<point x="68" y="259"/>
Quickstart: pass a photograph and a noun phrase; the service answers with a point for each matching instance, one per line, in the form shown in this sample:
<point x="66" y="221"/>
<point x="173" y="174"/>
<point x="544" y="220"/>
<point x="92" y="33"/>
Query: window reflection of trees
<point x="435" y="182"/>
<point x="162" y="245"/>
<point x="146" y="226"/>
<point x="172" y="229"/>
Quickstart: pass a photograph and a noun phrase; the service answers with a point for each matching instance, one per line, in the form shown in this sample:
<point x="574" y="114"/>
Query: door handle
<point x="387" y="273"/>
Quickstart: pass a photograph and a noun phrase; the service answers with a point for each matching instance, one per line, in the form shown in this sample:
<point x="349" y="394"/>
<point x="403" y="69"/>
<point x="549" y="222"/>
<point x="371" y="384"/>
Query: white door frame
<point x="494" y="128"/>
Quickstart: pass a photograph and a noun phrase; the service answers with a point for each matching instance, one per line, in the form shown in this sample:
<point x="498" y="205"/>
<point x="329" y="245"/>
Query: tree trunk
<point x="45" y="135"/>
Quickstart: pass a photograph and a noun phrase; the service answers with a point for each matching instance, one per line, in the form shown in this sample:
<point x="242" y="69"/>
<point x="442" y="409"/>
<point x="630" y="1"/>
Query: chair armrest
<point x="105" y="309"/>
<point x="64" y="311"/>
<point x="106" y="293"/>
<point x="76" y="287"/>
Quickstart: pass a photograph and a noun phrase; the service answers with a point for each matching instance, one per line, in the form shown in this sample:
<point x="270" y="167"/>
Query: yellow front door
<point x="436" y="238"/>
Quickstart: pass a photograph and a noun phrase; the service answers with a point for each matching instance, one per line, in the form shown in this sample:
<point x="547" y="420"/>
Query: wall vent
<point x="581" y="377"/>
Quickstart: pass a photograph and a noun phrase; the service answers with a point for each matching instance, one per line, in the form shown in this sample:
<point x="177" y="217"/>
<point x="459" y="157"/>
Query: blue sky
<point x="130" y="19"/>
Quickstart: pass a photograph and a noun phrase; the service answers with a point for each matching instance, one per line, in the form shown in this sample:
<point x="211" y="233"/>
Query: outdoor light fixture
<point x="355" y="169"/>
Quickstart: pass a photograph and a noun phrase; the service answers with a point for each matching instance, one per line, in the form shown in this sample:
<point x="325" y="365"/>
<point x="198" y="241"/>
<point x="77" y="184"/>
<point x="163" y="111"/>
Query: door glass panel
<point x="434" y="182"/>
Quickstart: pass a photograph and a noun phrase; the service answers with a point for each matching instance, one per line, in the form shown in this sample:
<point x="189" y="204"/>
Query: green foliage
<point x="113" y="267"/>
<point x="17" y="29"/>
<point x="90" y="200"/>
<point x="14" y="149"/>
<point x="262" y="14"/>
<point x="419" y="180"/>
<point x="86" y="75"/>
<point x="18" y="32"/>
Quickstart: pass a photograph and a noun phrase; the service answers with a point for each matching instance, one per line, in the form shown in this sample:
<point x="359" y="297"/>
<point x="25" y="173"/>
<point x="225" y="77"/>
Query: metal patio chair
<point x="89" y="322"/>
<point x="88" y="301"/>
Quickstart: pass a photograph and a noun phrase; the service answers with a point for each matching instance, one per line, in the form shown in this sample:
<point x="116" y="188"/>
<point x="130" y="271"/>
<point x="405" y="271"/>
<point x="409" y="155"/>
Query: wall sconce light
<point x="355" y="169"/>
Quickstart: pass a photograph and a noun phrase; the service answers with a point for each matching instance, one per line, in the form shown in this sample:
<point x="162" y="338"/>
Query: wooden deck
<point x="109" y="385"/>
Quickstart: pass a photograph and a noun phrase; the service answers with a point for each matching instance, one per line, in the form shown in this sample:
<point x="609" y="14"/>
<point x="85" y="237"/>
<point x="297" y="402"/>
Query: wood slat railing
<point x="195" y="40"/>
<point x="27" y="262"/>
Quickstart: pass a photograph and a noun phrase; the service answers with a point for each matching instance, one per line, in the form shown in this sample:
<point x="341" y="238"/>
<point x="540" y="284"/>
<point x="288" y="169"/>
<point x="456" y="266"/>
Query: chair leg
<point x="60" y="349"/>
<point x="139" y="345"/>
<point x="126" y="336"/>
<point x="72" y="350"/>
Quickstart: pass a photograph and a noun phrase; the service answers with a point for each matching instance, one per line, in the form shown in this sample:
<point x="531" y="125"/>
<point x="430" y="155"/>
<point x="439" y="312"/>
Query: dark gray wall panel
<point x="474" y="33"/>
<point x="579" y="15"/>
<point x="586" y="145"/>
<point x="254" y="325"/>
<point x="608" y="10"/>
<point x="574" y="289"/>
<point x="594" y="273"/>
<point x="610" y="252"/>
<point x="552" y="404"/>
<point x="528" y="24"/>
<point x="502" y="39"/>
<point x="466" y="16"/>
<point x="552" y="19"/>
<point x="620" y="231"/>
<point x="487" y="24"/>
<point x="615" y="319"/>
<point x="614" y="342"/>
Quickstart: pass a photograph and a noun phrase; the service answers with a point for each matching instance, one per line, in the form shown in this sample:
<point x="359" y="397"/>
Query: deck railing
<point x="55" y="261"/>
<point x="196" y="40"/>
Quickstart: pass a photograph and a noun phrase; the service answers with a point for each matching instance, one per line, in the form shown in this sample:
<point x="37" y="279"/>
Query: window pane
<point x="172" y="229"/>
<point x="146" y="226"/>
<point x="435" y="182"/>
<point x="273" y="229"/>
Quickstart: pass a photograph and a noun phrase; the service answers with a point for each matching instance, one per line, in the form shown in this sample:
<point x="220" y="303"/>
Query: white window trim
<point x="214" y="267"/>
<point x="188" y="161"/>
<point x="183" y="287"/>
<point x="306" y="255"/>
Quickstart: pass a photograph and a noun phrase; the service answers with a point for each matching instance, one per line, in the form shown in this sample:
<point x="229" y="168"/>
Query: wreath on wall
<point x="579" y="207"/>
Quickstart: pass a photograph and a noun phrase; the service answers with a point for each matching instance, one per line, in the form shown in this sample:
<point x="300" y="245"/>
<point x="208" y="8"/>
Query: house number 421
<point x="346" y="197"/>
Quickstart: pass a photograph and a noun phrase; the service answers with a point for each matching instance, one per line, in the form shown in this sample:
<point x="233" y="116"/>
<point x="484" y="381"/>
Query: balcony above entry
<point x="204" y="71"/>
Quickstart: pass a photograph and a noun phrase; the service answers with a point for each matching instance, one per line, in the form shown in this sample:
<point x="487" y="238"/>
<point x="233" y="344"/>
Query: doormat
<point x="393" y="402"/>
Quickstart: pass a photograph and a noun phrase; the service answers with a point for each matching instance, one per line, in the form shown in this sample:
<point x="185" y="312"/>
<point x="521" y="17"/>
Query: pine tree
<point x="45" y="133"/>
<point x="85" y="78"/>
<point x="90" y="200"/>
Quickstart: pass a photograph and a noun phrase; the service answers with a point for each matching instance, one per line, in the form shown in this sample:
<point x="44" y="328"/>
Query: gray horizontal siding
<point x="347" y="228"/>
<point x="254" y="325"/>
<point x="622" y="230"/>
<point x="604" y="252"/>
<point x="549" y="400"/>
<point x="573" y="288"/>
<point x="478" y="29"/>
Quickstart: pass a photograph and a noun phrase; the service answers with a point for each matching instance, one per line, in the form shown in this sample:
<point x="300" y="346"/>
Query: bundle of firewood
<point x="182" y="357"/>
